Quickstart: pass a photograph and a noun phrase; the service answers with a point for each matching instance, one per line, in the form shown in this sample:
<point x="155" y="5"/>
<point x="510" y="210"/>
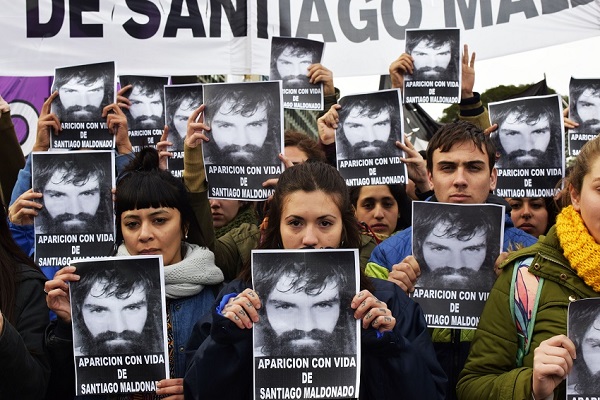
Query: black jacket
<point x="24" y="370"/>
<point x="401" y="364"/>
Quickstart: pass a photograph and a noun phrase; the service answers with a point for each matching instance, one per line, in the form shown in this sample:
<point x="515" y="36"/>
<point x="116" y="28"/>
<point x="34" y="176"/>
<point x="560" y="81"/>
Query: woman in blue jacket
<point x="153" y="217"/>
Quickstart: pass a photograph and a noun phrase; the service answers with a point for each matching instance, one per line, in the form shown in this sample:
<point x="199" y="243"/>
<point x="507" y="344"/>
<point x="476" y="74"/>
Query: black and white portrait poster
<point x="307" y="341"/>
<point x="369" y="126"/>
<point x="180" y="103"/>
<point x="77" y="218"/>
<point x="83" y="91"/>
<point x="437" y="68"/>
<point x="584" y="109"/>
<point x="145" y="115"/>
<point x="118" y="312"/>
<point x="456" y="246"/>
<point x="530" y="144"/>
<point x="583" y="328"/>
<point x="290" y="59"/>
<point x="246" y="136"/>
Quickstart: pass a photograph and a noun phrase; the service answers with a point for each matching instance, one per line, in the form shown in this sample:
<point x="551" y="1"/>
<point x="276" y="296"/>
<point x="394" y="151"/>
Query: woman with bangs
<point x="152" y="217"/>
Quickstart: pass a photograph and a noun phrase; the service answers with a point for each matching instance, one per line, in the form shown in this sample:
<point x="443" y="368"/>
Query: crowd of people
<point x="206" y="244"/>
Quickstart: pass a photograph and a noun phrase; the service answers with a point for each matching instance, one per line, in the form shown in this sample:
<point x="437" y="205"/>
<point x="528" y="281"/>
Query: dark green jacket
<point x="490" y="371"/>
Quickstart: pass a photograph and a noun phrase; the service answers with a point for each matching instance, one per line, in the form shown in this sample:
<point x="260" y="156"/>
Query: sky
<point x="578" y="59"/>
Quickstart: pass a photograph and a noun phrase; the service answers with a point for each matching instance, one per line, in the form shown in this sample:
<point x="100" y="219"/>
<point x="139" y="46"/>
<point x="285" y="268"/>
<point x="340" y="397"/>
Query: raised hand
<point x="401" y="66"/>
<point x="57" y="291"/>
<point x="552" y="362"/>
<point x="328" y="123"/>
<point x="46" y="122"/>
<point x="25" y="208"/>
<point x="405" y="274"/>
<point x="372" y="311"/>
<point x="468" y="73"/>
<point x="241" y="310"/>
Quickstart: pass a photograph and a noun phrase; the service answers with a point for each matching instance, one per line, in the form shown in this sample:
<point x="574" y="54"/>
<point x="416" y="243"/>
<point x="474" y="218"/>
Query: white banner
<point x="189" y="37"/>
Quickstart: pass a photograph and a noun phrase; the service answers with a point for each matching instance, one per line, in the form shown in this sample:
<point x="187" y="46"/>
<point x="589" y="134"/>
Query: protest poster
<point x="180" y="103"/>
<point x="369" y="126"/>
<point x="584" y="109"/>
<point x="456" y="246"/>
<point x="307" y="342"/>
<point x="530" y="144"/>
<point x="118" y="312"/>
<point x="145" y="113"/>
<point x="77" y="217"/>
<point x="583" y="328"/>
<point x="83" y="92"/>
<point x="290" y="59"/>
<point x="437" y="68"/>
<point x="246" y="137"/>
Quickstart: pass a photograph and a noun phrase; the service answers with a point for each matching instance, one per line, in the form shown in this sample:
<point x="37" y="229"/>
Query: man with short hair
<point x="114" y="311"/>
<point x="456" y="246"/>
<point x="434" y="55"/>
<point x="528" y="134"/>
<point x="82" y="93"/>
<point x="244" y="126"/>
<point x="460" y="168"/>
<point x="290" y="62"/>
<point x="303" y="309"/>
<point x="586" y="109"/>
<point x="369" y="127"/>
<point x="76" y="194"/>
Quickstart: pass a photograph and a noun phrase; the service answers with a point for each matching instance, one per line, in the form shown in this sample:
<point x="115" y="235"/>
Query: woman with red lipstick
<point x="534" y="215"/>
<point x="152" y="217"/>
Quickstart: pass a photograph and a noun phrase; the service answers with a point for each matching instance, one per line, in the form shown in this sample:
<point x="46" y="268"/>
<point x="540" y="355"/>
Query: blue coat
<point x="400" y="364"/>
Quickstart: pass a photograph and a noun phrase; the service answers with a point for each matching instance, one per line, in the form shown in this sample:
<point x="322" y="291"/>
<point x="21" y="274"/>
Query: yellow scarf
<point x="579" y="246"/>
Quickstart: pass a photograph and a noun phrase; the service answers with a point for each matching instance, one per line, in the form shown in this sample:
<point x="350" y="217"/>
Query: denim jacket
<point x="184" y="314"/>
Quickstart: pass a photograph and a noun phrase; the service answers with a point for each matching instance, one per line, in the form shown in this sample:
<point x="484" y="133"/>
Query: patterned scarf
<point x="579" y="246"/>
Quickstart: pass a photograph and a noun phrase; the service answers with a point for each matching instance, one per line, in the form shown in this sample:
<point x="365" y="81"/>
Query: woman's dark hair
<point x="144" y="185"/>
<point x="11" y="256"/>
<point x="310" y="177"/>
<point x="399" y="194"/>
<point x="305" y="144"/>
